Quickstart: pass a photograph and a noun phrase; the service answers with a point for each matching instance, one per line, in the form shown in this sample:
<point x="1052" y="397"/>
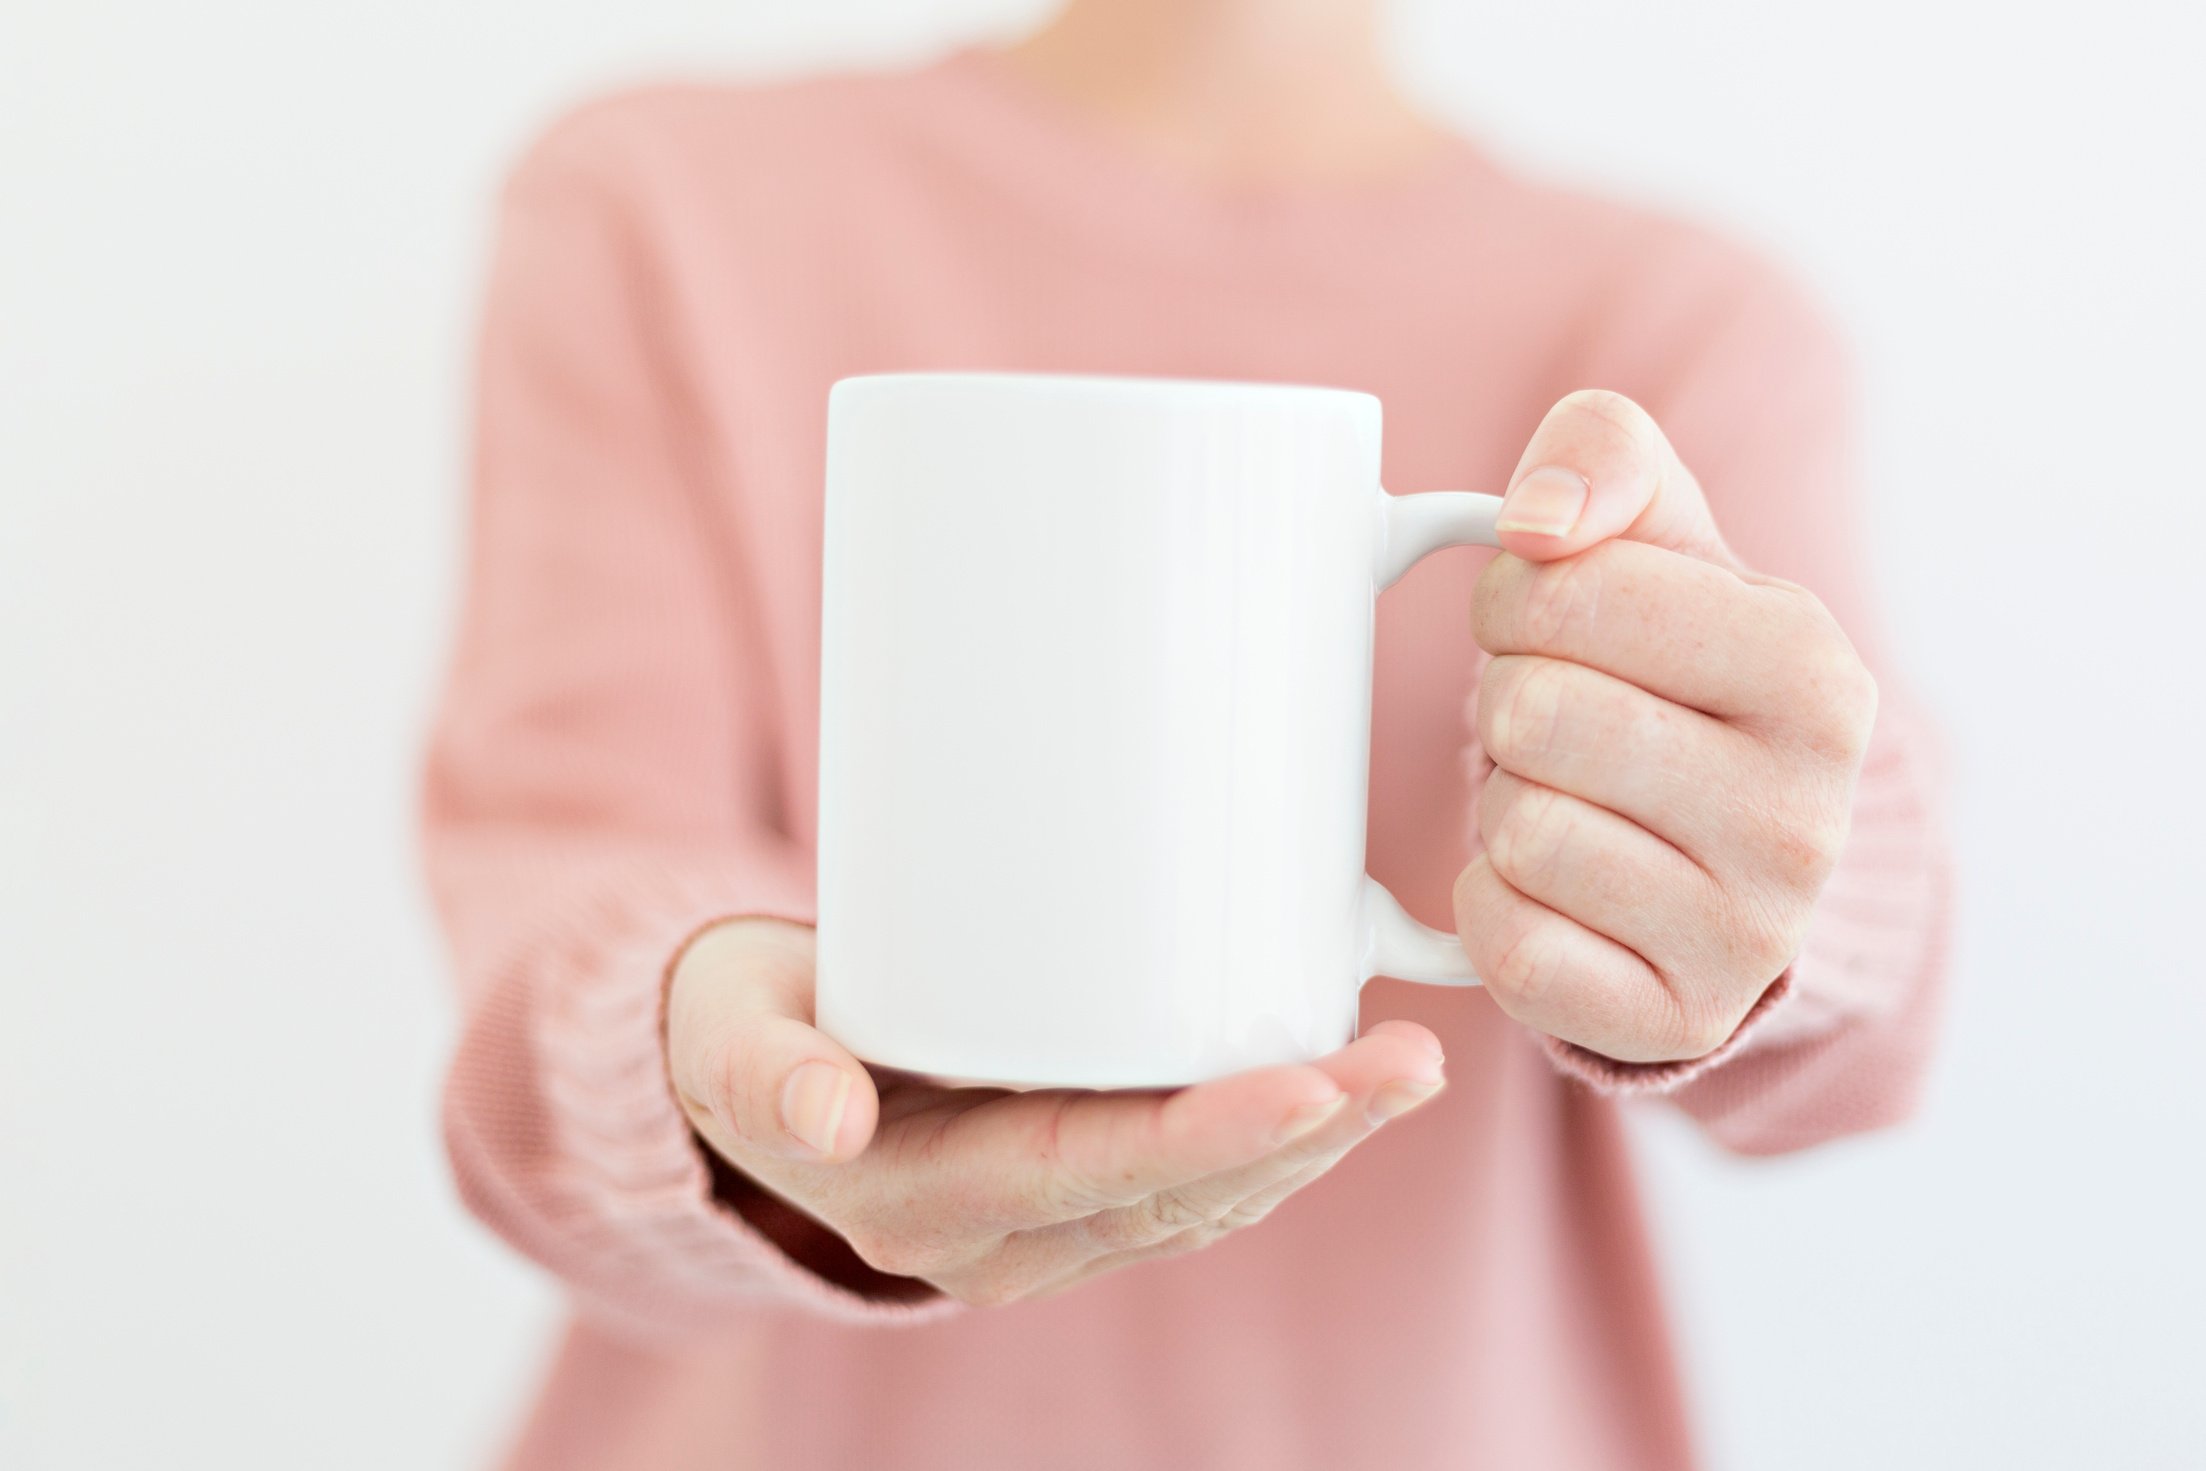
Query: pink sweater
<point x="627" y="752"/>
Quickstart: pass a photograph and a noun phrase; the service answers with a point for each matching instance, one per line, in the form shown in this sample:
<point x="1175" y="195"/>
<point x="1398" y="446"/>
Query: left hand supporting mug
<point x="1095" y="724"/>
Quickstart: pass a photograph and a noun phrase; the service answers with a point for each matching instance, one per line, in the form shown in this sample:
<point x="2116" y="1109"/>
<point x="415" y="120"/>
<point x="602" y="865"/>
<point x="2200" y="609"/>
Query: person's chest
<point x="1459" y="357"/>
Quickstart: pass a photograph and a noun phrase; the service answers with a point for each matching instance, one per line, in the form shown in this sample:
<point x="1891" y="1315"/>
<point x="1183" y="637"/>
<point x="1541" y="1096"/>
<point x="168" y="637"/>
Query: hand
<point x="993" y="1196"/>
<point x="1675" y="742"/>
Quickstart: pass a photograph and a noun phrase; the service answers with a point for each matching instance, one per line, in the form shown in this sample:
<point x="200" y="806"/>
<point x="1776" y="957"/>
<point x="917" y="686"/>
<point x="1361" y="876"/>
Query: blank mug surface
<point x="1095" y="724"/>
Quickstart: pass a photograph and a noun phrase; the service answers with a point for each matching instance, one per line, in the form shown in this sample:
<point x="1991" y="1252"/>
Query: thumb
<point x="752" y="1072"/>
<point x="1599" y="467"/>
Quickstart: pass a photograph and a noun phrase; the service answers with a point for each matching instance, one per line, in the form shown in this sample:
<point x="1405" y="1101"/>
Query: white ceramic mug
<point x="1095" y="724"/>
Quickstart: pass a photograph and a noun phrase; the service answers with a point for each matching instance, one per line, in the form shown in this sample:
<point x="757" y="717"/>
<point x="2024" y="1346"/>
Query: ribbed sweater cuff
<point x="1607" y="1075"/>
<point x="603" y="1179"/>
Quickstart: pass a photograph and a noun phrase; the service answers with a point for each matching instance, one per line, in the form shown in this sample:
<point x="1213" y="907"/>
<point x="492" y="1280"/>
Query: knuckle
<point x="1243" y="1215"/>
<point x="1121" y="1230"/>
<point x="1859" y="699"/>
<point x="1250" y="1212"/>
<point x="1525" y="712"/>
<point x="1640" y="723"/>
<point x="1692" y="1026"/>
<point x="1765" y="935"/>
<point x="1197" y="1237"/>
<point x="1169" y="1212"/>
<point x="1465" y="898"/>
<point x="1525" y="971"/>
<point x="1561" y="599"/>
<point x="1141" y="1225"/>
<point x="1529" y="841"/>
<point x="1606" y="403"/>
<point x="1808" y="844"/>
<point x="1838" y="693"/>
<point x="1494" y="598"/>
<point x="1701" y="1031"/>
<point x="728" y="1080"/>
<point x="1775" y="950"/>
<point x="1193" y="1238"/>
<point x="1843" y="698"/>
<point x="1827" y="836"/>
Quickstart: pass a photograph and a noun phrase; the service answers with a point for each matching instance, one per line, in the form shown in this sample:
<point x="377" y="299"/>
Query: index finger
<point x="1687" y="630"/>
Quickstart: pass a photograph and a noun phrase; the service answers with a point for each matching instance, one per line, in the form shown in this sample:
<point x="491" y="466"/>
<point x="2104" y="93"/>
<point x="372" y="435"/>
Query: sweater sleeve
<point x="600" y="784"/>
<point x="1755" y="390"/>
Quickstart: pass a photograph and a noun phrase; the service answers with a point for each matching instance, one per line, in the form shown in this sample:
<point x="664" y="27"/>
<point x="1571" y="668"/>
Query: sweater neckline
<point x="1061" y="150"/>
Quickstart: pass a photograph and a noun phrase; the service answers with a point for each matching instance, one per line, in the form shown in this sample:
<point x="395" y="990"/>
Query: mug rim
<point x="1105" y="384"/>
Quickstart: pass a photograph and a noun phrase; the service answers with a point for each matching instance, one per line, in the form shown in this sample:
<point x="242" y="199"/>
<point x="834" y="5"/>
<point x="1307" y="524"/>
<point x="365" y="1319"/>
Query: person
<point x="1691" y="850"/>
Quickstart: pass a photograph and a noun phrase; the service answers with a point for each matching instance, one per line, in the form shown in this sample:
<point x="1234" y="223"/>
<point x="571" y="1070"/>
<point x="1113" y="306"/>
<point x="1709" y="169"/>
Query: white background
<point x="239" y="245"/>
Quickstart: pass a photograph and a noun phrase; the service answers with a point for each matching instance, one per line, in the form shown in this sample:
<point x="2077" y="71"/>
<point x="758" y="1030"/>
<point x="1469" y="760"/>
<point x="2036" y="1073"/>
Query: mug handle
<point x="1411" y="526"/>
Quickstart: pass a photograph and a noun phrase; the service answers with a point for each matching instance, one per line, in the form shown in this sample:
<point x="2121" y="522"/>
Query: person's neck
<point x="1242" y="91"/>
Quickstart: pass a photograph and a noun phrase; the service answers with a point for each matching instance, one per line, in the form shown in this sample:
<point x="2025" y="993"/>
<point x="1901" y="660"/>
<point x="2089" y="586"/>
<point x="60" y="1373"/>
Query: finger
<point x="1388" y="1071"/>
<point x="1257" y="1207"/>
<point x="1383" y="1074"/>
<point x="1033" y="1159"/>
<point x="1194" y="1239"/>
<point x="1690" y="631"/>
<point x="1598" y="467"/>
<point x="1607" y="873"/>
<point x="754" y="1076"/>
<point x="1667" y="768"/>
<point x="960" y="1171"/>
<point x="1556" y="976"/>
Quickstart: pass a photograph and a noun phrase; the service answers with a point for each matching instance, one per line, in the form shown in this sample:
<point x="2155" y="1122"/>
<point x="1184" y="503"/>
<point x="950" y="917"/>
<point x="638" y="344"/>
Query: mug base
<point x="1009" y="1080"/>
<point x="1029" y="1085"/>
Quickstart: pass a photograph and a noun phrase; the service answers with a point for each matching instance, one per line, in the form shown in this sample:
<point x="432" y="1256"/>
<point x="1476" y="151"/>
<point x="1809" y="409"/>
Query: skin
<point x="1238" y="92"/>
<point x="1675" y="741"/>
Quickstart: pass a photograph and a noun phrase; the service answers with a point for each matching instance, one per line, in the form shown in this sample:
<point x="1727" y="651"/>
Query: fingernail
<point x="1398" y="1098"/>
<point x="812" y="1104"/>
<point x="1307" y="1119"/>
<point x="1547" y="502"/>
